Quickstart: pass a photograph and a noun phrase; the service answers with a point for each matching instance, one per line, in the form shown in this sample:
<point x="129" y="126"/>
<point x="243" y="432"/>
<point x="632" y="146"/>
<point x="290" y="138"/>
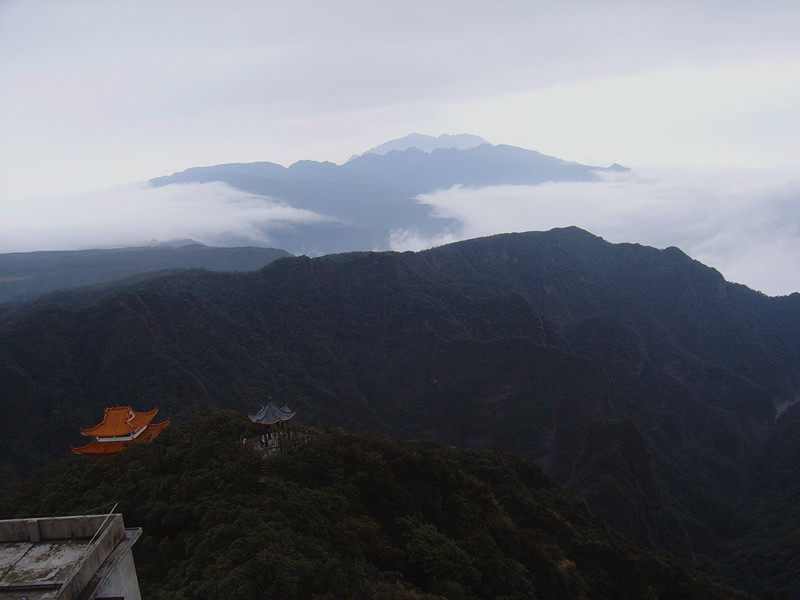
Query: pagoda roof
<point x="151" y="432"/>
<point x="95" y="447"/>
<point x="120" y="421"/>
<point x="271" y="414"/>
<point x="98" y="446"/>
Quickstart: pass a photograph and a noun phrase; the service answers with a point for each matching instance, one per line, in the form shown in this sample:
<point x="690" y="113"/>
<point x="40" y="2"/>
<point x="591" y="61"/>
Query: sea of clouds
<point x="210" y="213"/>
<point x="746" y="224"/>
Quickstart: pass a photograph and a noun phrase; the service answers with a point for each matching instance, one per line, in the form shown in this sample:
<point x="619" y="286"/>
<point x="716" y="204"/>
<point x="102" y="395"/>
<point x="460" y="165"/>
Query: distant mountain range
<point x="374" y="194"/>
<point x="363" y="202"/>
<point x="27" y="275"/>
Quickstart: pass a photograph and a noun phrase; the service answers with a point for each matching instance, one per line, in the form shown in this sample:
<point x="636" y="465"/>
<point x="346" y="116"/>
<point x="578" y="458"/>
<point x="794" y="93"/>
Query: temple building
<point x="274" y="439"/>
<point x="120" y="428"/>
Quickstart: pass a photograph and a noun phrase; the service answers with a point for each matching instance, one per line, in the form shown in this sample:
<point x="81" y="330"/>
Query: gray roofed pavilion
<point x="271" y="414"/>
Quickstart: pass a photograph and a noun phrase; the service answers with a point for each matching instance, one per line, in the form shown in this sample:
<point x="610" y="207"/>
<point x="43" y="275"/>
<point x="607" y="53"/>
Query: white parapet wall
<point x="67" y="558"/>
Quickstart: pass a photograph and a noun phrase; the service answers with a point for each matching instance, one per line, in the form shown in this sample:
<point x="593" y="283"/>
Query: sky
<point x="700" y="99"/>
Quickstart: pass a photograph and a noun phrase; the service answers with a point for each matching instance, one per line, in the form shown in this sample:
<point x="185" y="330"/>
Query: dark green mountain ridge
<point x="638" y="377"/>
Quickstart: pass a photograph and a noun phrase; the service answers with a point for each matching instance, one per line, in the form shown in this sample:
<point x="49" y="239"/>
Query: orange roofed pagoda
<point x="120" y="428"/>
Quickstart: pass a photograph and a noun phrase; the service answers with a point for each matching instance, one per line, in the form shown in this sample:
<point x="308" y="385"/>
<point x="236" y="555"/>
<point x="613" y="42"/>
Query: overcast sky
<point x="101" y="94"/>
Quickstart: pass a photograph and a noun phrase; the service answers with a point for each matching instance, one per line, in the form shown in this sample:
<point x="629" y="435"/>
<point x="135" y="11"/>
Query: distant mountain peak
<point x="428" y="143"/>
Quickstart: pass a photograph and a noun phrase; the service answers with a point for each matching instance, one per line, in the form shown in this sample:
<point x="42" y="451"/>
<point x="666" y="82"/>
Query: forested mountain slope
<point x="638" y="377"/>
<point x="338" y="515"/>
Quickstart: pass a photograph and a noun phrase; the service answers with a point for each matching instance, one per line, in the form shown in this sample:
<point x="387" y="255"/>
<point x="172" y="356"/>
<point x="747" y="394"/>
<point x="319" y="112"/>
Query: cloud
<point x="101" y="93"/>
<point x="210" y="213"/>
<point x="746" y="224"/>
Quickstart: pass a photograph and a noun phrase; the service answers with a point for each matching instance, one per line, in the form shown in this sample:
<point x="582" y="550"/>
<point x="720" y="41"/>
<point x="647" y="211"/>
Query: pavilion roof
<point x="271" y="414"/>
<point x="95" y="447"/>
<point x="151" y="432"/>
<point x="120" y="421"/>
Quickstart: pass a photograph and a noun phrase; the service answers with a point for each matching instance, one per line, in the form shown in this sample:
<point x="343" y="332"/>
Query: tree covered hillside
<point x="344" y="516"/>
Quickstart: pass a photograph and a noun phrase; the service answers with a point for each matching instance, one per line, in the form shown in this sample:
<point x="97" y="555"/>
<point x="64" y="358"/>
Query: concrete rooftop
<point x="62" y="558"/>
